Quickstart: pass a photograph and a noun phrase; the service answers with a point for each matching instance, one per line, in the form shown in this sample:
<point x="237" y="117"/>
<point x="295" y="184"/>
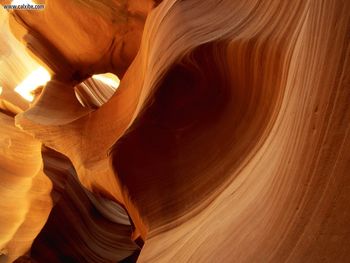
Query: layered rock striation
<point x="227" y="139"/>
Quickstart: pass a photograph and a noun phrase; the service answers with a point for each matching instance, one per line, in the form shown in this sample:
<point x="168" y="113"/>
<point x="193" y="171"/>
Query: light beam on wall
<point x="38" y="77"/>
<point x="108" y="79"/>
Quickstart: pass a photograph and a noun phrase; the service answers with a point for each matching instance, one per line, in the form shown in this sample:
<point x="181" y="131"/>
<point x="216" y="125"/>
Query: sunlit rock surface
<point x="175" y="131"/>
<point x="25" y="190"/>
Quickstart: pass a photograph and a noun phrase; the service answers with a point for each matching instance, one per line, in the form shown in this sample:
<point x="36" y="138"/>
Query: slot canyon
<point x="175" y="131"/>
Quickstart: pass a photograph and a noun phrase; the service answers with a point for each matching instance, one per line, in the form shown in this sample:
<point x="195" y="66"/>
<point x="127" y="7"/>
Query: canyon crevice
<point x="175" y="131"/>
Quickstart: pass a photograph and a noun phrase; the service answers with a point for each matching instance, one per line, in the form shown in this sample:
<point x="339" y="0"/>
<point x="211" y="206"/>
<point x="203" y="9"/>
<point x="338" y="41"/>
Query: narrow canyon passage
<point x="174" y="131"/>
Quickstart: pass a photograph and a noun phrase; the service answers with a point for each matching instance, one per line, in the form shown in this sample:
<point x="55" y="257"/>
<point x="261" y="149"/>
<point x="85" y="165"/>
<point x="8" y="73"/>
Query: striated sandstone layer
<point x="227" y="139"/>
<point x="25" y="190"/>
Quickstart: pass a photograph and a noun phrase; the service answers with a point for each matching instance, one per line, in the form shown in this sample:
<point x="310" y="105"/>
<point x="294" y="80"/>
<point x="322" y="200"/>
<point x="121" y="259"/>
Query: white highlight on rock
<point x="37" y="78"/>
<point x="108" y="79"/>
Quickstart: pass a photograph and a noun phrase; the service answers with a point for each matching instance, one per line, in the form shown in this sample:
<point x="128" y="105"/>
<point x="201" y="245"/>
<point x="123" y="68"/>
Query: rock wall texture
<point x="227" y="139"/>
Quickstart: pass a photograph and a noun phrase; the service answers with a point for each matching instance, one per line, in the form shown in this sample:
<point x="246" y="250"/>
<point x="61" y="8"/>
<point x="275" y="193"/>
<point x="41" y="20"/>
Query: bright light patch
<point x="0" y="90"/>
<point x="20" y="2"/>
<point x="107" y="79"/>
<point x="38" y="77"/>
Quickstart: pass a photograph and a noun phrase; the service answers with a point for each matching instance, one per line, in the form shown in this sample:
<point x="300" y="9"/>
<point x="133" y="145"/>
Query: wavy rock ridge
<point x="227" y="139"/>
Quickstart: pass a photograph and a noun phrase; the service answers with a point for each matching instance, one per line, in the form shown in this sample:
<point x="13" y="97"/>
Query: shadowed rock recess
<point x="175" y="131"/>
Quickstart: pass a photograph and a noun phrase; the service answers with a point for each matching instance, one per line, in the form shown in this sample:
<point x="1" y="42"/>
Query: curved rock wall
<point x="226" y="141"/>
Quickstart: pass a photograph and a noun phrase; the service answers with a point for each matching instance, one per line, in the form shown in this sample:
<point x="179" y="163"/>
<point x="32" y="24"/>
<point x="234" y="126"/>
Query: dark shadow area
<point x="80" y="227"/>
